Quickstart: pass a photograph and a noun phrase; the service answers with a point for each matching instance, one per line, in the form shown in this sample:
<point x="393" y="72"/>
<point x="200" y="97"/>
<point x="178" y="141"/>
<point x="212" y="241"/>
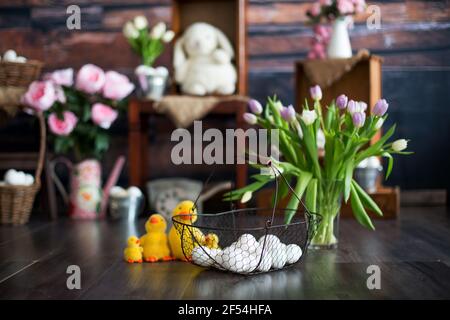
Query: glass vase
<point x="329" y="202"/>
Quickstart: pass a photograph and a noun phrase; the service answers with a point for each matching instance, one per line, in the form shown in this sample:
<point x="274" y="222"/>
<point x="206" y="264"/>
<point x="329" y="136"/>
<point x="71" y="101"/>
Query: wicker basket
<point x="16" y="202"/>
<point x="15" y="74"/>
<point x="15" y="78"/>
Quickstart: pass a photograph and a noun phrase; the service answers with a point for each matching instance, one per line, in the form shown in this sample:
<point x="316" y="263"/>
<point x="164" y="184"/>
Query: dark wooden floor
<point x="413" y="254"/>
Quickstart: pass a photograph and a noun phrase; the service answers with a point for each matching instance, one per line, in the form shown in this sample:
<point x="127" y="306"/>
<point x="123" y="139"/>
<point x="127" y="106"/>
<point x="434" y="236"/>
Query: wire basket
<point x="246" y="241"/>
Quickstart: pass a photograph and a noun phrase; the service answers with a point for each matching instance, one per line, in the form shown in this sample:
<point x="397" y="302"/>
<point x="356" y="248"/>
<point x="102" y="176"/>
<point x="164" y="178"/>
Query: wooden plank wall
<point x="414" y="41"/>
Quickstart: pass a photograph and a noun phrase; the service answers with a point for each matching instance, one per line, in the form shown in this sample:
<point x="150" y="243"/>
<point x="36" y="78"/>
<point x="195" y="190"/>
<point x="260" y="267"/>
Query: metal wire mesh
<point x="247" y="241"/>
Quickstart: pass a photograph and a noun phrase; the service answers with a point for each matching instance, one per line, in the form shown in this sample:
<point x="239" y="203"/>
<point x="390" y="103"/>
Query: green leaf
<point x="300" y="187"/>
<point x="376" y="147"/>
<point x="237" y="194"/>
<point x="311" y="196"/>
<point x="390" y="163"/>
<point x="366" y="200"/>
<point x="348" y="179"/>
<point x="358" y="210"/>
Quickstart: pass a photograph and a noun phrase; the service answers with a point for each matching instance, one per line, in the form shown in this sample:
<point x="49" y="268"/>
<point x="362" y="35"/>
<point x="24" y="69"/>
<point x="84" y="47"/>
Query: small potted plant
<point x="339" y="13"/>
<point x="321" y="147"/>
<point x="149" y="45"/>
<point x="80" y="111"/>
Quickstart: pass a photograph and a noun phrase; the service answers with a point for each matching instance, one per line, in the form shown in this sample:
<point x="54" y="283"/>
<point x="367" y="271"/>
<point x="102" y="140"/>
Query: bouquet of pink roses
<point x="79" y="111"/>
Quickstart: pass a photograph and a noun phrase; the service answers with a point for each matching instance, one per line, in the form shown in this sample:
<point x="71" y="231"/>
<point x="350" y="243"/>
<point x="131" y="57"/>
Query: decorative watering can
<point x="87" y="199"/>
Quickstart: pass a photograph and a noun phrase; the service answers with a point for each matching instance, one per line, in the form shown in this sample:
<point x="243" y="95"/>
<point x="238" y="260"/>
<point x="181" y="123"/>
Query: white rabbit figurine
<point x="202" y="61"/>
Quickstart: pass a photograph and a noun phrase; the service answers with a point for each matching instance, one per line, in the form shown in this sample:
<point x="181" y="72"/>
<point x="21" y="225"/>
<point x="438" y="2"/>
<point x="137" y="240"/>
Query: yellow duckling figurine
<point x="154" y="241"/>
<point x="187" y="214"/>
<point x="133" y="252"/>
<point x="212" y="241"/>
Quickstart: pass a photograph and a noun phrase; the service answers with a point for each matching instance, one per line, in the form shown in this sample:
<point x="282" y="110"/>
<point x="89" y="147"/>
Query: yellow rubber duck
<point x="133" y="251"/>
<point x="154" y="242"/>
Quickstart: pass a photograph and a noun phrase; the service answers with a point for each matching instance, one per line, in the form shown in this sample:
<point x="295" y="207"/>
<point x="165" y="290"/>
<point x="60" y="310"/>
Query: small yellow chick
<point x="155" y="242"/>
<point x="212" y="241"/>
<point x="133" y="252"/>
<point x="187" y="215"/>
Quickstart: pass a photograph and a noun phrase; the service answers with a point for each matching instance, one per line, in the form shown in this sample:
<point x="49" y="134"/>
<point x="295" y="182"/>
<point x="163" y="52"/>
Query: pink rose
<point x="90" y="79"/>
<point x="345" y="7"/>
<point x="103" y="115"/>
<point x="40" y="95"/>
<point x="60" y="95"/>
<point x="62" y="127"/>
<point x="117" y="86"/>
<point x="315" y="9"/>
<point x="62" y="77"/>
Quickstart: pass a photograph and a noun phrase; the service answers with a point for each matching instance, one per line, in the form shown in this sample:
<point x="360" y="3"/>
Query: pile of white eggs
<point x="119" y="192"/>
<point x="248" y="255"/>
<point x="11" y="56"/>
<point x="17" y="178"/>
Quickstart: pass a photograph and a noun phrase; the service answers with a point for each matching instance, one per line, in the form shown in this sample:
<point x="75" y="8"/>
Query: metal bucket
<point x="367" y="178"/>
<point x="129" y="207"/>
<point x="153" y="86"/>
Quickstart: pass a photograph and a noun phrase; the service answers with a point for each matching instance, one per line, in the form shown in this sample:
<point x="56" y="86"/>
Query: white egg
<point x="21" y="59"/>
<point x="250" y="261"/>
<point x="218" y="263"/>
<point x="118" y="191"/>
<point x="266" y="260"/>
<point x="204" y="256"/>
<point x="293" y="252"/>
<point x="10" y="55"/>
<point x="279" y="257"/>
<point x="9" y="175"/>
<point x="268" y="241"/>
<point x="248" y="243"/>
<point x="29" y="180"/>
<point x="134" y="191"/>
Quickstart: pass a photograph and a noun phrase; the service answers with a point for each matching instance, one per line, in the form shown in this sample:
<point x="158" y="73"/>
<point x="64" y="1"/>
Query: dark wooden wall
<point x="414" y="41"/>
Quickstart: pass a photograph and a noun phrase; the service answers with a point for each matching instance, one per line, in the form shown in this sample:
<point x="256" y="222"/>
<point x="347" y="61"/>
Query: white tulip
<point x="168" y="36"/>
<point x="140" y="22"/>
<point x="379" y="124"/>
<point x="158" y="30"/>
<point x="246" y="197"/>
<point x="399" y="145"/>
<point x="308" y="116"/>
<point x="130" y="31"/>
<point x="320" y="139"/>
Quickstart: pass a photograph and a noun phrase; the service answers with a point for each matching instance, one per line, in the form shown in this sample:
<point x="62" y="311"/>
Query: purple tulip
<point x="316" y="93"/>
<point x="288" y="113"/>
<point x="341" y="101"/>
<point x="250" y="118"/>
<point x="352" y="106"/>
<point x="255" y="107"/>
<point x="380" y="107"/>
<point x="358" y="119"/>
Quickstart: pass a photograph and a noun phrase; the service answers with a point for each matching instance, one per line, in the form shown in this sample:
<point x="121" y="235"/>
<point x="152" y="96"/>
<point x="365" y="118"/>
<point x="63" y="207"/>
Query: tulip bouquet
<point x="320" y="149"/>
<point x="79" y="112"/>
<point x="149" y="44"/>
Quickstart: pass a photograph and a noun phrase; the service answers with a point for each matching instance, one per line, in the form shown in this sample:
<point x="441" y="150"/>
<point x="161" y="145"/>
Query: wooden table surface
<point x="413" y="254"/>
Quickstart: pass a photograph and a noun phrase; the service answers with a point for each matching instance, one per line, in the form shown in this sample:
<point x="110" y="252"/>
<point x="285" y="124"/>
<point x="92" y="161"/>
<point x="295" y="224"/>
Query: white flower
<point x="298" y="127"/>
<point x="158" y="30"/>
<point x="308" y="116"/>
<point x="379" y="124"/>
<point x="320" y="139"/>
<point x="168" y="36"/>
<point x="399" y="145"/>
<point x="140" y="22"/>
<point x="246" y="196"/>
<point x="130" y="31"/>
